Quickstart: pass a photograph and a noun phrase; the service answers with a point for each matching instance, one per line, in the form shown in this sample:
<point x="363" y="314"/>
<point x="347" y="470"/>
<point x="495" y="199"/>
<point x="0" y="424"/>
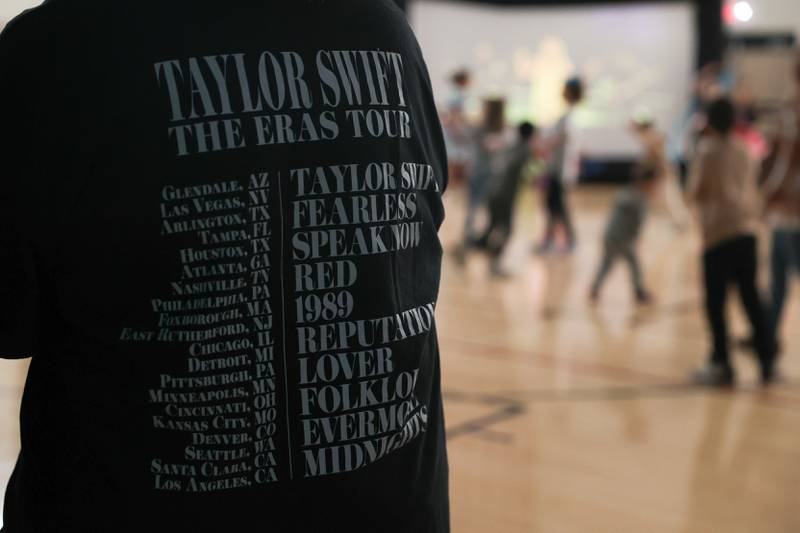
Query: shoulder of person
<point x="33" y="21"/>
<point x="382" y="16"/>
<point x="387" y="8"/>
<point x="40" y="28"/>
<point x="24" y="27"/>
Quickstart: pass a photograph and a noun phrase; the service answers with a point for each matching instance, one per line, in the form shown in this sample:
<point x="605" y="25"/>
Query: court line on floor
<point x="638" y="318"/>
<point x="551" y="361"/>
<point x="653" y="391"/>
<point x="514" y="404"/>
<point x="651" y="314"/>
<point x="598" y="369"/>
<point x="481" y="426"/>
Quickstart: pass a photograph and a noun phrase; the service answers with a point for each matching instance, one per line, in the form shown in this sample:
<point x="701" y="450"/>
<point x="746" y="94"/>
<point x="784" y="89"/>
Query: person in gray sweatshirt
<point x="629" y="213"/>
<point x="502" y="199"/>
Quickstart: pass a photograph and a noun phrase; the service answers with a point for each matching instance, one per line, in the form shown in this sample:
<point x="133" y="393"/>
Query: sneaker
<point x="770" y="376"/>
<point x="481" y="243"/>
<point x="594" y="296"/>
<point x="769" y="371"/>
<point x="714" y="375"/>
<point x="643" y="297"/>
<point x="459" y="255"/>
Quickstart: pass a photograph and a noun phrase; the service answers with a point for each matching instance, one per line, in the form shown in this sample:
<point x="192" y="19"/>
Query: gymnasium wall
<point x="771" y="16"/>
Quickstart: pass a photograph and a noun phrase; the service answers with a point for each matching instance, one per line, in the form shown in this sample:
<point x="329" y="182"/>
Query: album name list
<point x="354" y="403"/>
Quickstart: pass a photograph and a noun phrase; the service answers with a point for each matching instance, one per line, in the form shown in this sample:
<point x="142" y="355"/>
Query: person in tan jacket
<point x="724" y="187"/>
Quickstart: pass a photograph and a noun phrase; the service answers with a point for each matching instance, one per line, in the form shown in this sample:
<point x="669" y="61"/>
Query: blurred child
<point x="457" y="132"/>
<point x="558" y="214"/>
<point x="724" y="186"/>
<point x="630" y="211"/>
<point x="488" y="141"/>
<point x="503" y="196"/>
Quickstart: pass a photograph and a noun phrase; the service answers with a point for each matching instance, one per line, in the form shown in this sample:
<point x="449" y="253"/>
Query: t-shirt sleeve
<point x="18" y="283"/>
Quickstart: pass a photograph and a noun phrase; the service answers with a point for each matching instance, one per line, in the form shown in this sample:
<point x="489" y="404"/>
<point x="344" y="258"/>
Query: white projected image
<point x="636" y="58"/>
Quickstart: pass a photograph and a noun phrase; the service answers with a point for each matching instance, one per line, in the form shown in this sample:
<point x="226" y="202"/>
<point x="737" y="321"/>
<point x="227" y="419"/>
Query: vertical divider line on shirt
<point x="283" y="324"/>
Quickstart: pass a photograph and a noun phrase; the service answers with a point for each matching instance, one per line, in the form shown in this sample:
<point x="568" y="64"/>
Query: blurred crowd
<point x="724" y="173"/>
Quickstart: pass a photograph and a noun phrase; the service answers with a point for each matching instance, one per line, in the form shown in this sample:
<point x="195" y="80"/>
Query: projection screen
<point x="637" y="58"/>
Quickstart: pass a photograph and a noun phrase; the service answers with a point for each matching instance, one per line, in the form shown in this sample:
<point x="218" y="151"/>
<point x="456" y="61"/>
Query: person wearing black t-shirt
<point x="219" y="245"/>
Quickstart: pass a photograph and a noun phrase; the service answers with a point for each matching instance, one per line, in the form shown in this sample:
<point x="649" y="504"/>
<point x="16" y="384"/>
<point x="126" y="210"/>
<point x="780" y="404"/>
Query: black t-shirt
<point x="219" y="243"/>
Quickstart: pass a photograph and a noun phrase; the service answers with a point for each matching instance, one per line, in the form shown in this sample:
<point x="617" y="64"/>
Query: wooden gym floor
<point x="564" y="418"/>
